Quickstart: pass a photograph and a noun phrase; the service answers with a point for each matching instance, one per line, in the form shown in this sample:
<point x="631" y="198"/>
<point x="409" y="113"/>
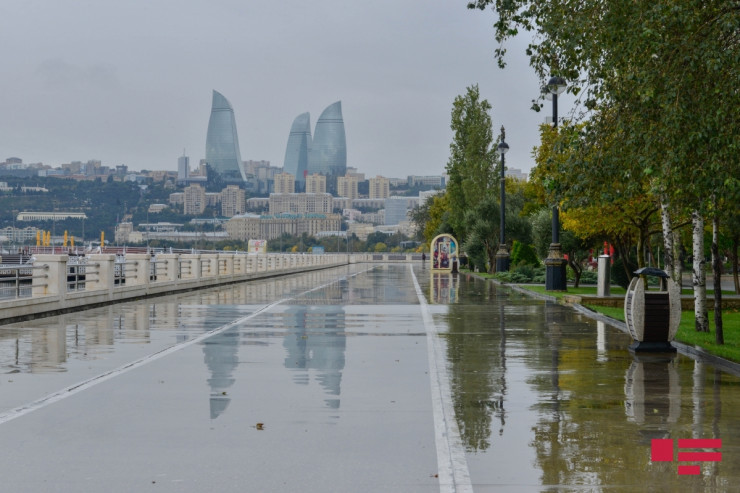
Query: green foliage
<point x="589" y="277"/>
<point x="523" y="254"/>
<point x="470" y="166"/>
<point x="102" y="202"/>
<point x="541" y="222"/>
<point x="522" y="274"/>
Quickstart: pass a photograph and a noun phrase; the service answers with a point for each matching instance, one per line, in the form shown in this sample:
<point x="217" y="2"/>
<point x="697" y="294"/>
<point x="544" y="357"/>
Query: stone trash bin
<point x="652" y="316"/>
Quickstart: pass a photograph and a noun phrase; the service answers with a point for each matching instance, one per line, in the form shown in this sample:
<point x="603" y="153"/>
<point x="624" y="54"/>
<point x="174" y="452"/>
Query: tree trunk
<point x="717" y="268"/>
<point x="577" y="270"/>
<point x="668" y="256"/>
<point x="640" y="248"/>
<point x="491" y="253"/>
<point x="678" y="258"/>
<point x="699" y="278"/>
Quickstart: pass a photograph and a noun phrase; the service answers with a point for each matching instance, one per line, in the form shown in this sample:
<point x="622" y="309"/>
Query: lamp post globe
<point x="502" y="254"/>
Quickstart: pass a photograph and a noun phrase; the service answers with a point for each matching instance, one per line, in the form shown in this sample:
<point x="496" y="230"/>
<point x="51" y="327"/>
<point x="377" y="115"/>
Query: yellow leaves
<point x="618" y="218"/>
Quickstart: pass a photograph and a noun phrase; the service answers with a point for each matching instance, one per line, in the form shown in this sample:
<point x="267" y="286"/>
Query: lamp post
<point x="555" y="279"/>
<point x="502" y="255"/>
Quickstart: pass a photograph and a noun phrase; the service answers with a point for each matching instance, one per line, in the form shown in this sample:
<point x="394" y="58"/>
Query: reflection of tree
<point x="477" y="365"/>
<point x="594" y="429"/>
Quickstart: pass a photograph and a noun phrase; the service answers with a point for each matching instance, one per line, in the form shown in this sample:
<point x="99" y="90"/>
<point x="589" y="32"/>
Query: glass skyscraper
<point x="222" y="142"/>
<point x="299" y="145"/>
<point x="328" y="152"/>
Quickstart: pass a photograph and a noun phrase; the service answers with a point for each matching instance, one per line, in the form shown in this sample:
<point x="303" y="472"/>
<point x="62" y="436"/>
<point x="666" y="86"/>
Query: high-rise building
<point x="328" y="152"/>
<point x="299" y="144"/>
<point x="347" y="186"/>
<point x="183" y="169"/>
<point x="233" y="201"/>
<point x="379" y="188"/>
<point x="396" y="210"/>
<point x="284" y="183"/>
<point x="194" y="200"/>
<point x="222" y="142"/>
<point x="316" y="183"/>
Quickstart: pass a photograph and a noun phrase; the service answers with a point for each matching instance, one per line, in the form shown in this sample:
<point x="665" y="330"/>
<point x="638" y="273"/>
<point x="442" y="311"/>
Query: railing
<point x="16" y="280"/>
<point x="64" y="282"/>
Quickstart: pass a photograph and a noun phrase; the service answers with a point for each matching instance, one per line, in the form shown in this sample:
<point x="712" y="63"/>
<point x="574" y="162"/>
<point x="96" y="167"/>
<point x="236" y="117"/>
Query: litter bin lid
<point x="651" y="271"/>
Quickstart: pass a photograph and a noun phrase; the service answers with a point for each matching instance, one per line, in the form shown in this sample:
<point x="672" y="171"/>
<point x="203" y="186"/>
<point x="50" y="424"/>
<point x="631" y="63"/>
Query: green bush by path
<point x="522" y="254"/>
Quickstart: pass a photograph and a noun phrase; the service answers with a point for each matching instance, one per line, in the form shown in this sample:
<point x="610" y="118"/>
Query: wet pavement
<point x="345" y="380"/>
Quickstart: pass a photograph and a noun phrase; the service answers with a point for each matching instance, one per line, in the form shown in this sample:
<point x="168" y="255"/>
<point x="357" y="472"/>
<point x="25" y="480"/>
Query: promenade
<point x="364" y="377"/>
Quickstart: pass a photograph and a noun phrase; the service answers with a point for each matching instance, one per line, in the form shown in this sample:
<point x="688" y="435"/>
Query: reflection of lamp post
<point x="502" y="255"/>
<point x="555" y="263"/>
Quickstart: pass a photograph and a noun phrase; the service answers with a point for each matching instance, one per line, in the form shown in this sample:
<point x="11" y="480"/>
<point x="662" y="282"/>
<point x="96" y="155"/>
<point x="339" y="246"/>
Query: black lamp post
<point x="502" y="255"/>
<point x="555" y="279"/>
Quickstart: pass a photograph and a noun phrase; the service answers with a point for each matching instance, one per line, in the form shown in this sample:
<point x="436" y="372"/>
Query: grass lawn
<point x="584" y="290"/>
<point x="686" y="333"/>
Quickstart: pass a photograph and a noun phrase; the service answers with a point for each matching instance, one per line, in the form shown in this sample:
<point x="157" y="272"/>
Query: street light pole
<point x="502" y="255"/>
<point x="555" y="279"/>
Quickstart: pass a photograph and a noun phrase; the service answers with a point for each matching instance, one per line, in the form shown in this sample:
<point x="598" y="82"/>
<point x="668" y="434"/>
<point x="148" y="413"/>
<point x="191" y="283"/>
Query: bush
<point x="522" y="254"/>
<point x="589" y="277"/>
<point x="503" y="276"/>
<point x="520" y="278"/>
<point x="522" y="274"/>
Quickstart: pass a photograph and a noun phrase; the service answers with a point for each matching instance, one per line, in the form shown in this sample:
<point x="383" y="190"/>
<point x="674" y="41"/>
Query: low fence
<point x="54" y="283"/>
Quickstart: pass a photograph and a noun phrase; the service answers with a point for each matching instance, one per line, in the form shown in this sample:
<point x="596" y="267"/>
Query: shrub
<point x="504" y="276"/>
<point x="522" y="254"/>
<point x="589" y="277"/>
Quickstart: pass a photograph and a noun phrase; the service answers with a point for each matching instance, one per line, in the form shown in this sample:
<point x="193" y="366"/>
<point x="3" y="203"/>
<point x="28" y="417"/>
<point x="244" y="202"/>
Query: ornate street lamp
<point x="502" y="255"/>
<point x="555" y="279"/>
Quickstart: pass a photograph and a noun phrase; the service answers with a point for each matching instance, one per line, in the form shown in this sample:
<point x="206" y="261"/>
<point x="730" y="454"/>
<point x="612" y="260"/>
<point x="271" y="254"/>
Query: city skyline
<point x="107" y="83"/>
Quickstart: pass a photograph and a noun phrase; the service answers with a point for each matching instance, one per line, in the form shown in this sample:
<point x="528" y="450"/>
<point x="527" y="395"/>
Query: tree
<point x="470" y="166"/>
<point x="662" y="79"/>
<point x="483" y="226"/>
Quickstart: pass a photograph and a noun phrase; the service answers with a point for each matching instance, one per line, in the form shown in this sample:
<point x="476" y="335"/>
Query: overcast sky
<point x="131" y="82"/>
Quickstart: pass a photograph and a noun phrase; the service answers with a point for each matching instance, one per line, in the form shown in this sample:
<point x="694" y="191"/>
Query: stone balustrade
<point x="62" y="283"/>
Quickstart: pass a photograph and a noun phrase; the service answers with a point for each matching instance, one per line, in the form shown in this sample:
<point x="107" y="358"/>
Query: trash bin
<point x="652" y="316"/>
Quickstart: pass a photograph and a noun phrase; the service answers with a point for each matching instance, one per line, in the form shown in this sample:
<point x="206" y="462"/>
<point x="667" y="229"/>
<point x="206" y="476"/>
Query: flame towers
<point x="325" y="154"/>
<point x="298" y="148"/>
<point x="222" y="142"/>
<point x="328" y="152"/>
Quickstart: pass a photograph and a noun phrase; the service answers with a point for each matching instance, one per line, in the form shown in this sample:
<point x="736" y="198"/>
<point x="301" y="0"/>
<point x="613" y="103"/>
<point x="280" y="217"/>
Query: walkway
<point x="335" y="380"/>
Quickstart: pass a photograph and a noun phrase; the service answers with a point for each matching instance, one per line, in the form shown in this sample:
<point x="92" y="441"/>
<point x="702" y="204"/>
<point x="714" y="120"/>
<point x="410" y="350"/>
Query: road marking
<point x="91" y="382"/>
<point x="453" y="473"/>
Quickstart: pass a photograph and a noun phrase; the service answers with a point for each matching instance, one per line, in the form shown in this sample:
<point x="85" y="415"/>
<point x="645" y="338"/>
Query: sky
<point x="131" y="82"/>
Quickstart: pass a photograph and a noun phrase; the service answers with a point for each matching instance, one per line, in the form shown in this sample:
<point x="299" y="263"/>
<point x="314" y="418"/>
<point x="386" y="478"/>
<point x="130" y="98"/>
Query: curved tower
<point x="328" y="153"/>
<point x="222" y="142"/>
<point x="299" y="144"/>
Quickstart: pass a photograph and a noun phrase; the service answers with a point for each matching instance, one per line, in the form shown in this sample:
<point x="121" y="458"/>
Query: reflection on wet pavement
<point x="336" y="374"/>
<point x="545" y="398"/>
